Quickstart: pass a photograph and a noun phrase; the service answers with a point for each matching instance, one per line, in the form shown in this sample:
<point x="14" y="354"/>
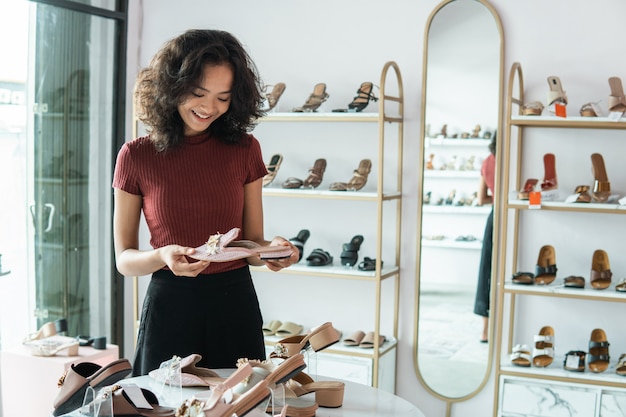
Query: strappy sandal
<point x="357" y="181"/>
<point x="545" y="270"/>
<point x="272" y="98"/>
<point x="363" y="97"/>
<point x="534" y="108"/>
<point x="190" y="374"/>
<point x="600" y="270"/>
<point x="543" y="352"/>
<point x="316" y="174"/>
<point x="598" y="357"/>
<point x="529" y="187"/>
<point x="272" y="169"/>
<point x="617" y="100"/>
<point x="520" y="356"/>
<point x="549" y="178"/>
<point x="350" y="253"/>
<point x="601" y="186"/>
<point x="299" y="241"/>
<point x="315" y="100"/>
<point x="224" y="248"/>
<point x="319" y="257"/>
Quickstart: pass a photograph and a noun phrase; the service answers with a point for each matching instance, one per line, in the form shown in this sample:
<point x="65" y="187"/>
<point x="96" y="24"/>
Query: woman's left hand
<point x="278" y="264"/>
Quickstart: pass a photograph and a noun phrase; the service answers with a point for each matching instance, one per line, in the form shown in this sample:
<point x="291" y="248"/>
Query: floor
<point x="451" y="360"/>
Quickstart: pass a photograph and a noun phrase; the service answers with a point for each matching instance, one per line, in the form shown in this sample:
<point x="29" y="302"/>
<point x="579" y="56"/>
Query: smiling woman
<point x="461" y="94"/>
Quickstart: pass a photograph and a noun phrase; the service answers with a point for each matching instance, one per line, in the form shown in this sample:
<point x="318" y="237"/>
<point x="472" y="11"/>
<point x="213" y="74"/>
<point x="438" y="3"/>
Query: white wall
<point x="344" y="43"/>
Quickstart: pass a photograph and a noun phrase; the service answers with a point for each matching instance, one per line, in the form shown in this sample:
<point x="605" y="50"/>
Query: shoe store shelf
<point x="555" y="372"/>
<point x="450" y="209"/>
<point x="372" y="211"/>
<point x="337" y="271"/>
<point x="578" y="229"/>
<point x="331" y="195"/>
<point x="454" y="174"/>
<point x="608" y="294"/>
<point x="567" y="123"/>
<point x="470" y="142"/>
<point x="448" y="243"/>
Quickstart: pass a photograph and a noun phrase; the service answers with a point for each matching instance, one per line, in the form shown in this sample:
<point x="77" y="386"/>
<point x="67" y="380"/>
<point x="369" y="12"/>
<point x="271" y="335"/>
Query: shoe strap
<point x="365" y="95"/>
<point x="542" y="352"/>
<point x="595" y="275"/>
<point x="548" y="270"/>
<point x="223" y="391"/>
<point x="544" y="338"/>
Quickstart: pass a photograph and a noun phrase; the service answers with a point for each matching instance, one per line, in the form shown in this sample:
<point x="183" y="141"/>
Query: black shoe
<point x="299" y="241"/>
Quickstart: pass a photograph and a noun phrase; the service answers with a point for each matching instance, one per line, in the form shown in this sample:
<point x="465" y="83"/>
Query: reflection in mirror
<point x="462" y="90"/>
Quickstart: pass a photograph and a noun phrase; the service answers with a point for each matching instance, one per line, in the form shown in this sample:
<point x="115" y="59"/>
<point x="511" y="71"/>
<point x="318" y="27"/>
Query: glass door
<point x="71" y="124"/>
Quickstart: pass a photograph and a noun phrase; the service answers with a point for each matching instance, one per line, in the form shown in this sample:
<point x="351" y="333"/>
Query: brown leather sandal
<point x="549" y="178"/>
<point x="315" y="100"/>
<point x="543" y="352"/>
<point x="316" y="174"/>
<point x="583" y="194"/>
<point x="545" y="271"/>
<point x="598" y="357"/>
<point x="600" y="270"/>
<point x="534" y="108"/>
<point x="357" y="181"/>
<point x="601" y="186"/>
<point x="529" y="187"/>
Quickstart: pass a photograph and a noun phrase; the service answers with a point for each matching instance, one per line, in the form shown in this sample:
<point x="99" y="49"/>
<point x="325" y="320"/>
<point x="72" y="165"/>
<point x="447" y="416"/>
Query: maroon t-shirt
<point x="192" y="191"/>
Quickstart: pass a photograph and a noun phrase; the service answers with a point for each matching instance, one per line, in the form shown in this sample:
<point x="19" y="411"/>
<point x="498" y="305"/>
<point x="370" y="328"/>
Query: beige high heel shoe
<point x="315" y="100"/>
<point x="317" y="339"/>
<point x="273" y="97"/>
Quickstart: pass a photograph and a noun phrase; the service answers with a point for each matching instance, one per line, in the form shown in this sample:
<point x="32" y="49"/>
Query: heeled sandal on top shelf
<point x="272" y="98"/>
<point x="601" y="186"/>
<point x="272" y="169"/>
<point x="357" y="181"/>
<point x="317" y="339"/>
<point x="315" y="100"/>
<point x="545" y="271"/>
<point x="363" y="97"/>
<point x="598" y="357"/>
<point x="556" y="93"/>
<point x="316" y="174"/>
<point x="583" y="194"/>
<point x="600" y="270"/>
<point x="617" y="100"/>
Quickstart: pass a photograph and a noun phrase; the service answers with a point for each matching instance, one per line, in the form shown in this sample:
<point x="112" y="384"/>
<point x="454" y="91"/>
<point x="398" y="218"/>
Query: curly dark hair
<point x="178" y="67"/>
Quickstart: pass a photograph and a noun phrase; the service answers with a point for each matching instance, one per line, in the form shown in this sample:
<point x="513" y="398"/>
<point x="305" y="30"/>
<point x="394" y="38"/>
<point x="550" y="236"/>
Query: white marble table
<point x="359" y="400"/>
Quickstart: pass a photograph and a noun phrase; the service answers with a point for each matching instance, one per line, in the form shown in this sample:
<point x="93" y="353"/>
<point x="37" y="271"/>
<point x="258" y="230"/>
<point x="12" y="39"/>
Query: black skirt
<point x="216" y="316"/>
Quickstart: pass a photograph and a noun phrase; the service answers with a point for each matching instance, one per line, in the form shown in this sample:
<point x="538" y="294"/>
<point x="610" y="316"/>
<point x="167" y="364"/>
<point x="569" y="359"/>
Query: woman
<point x="485" y="195"/>
<point x="198" y="172"/>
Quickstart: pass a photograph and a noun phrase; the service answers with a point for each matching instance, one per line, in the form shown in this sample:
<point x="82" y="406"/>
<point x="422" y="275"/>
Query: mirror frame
<point x="497" y="208"/>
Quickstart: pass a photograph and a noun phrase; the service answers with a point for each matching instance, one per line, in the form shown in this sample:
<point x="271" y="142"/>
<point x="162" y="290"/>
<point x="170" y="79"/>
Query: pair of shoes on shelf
<point x="318" y="338"/>
<point x="277" y="328"/>
<point x="224" y="248"/>
<point x="556" y="95"/>
<point x="545" y="269"/>
<point x="358" y="180"/>
<point x="616" y="102"/>
<point x="51" y="328"/>
<point x="543" y="350"/>
<point x="549" y="179"/>
<point x="363" y="340"/>
<point x="313" y="180"/>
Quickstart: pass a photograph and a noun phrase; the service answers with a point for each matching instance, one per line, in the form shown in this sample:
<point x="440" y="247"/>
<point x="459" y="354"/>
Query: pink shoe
<point x="224" y="248"/>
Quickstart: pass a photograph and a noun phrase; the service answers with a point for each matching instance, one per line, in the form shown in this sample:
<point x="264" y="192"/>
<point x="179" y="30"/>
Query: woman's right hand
<point x="175" y="257"/>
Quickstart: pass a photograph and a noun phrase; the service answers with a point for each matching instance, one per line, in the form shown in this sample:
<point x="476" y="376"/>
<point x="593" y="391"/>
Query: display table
<point x="24" y="375"/>
<point x="359" y="400"/>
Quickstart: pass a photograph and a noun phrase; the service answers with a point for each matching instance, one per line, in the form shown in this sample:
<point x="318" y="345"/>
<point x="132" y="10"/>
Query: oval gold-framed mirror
<point x="461" y="116"/>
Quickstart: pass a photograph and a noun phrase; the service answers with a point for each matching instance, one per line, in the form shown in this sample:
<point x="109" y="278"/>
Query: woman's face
<point x="207" y="101"/>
